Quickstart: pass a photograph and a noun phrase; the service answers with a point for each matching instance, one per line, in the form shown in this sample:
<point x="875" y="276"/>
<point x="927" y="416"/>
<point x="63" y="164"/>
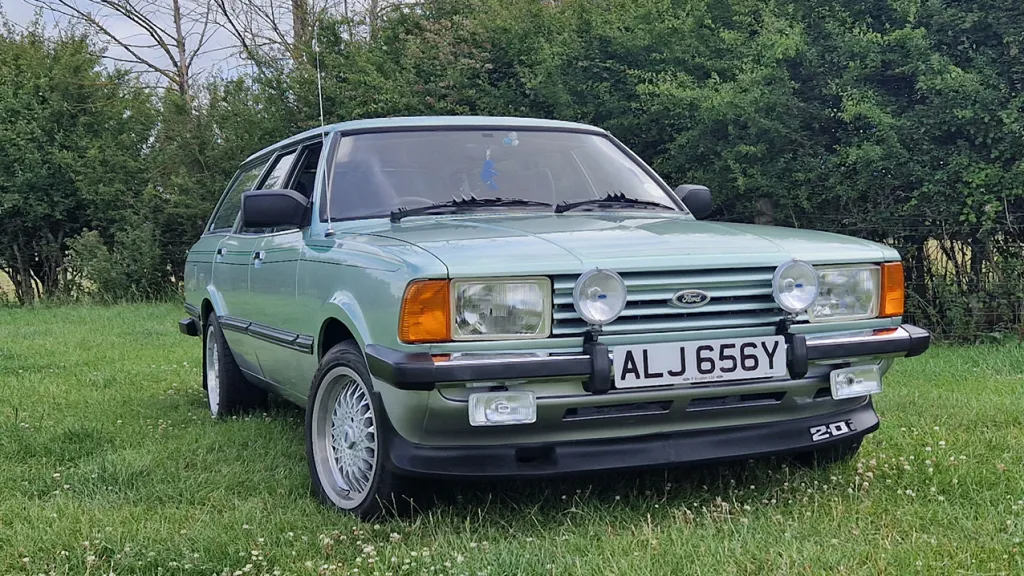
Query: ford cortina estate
<point x="506" y="297"/>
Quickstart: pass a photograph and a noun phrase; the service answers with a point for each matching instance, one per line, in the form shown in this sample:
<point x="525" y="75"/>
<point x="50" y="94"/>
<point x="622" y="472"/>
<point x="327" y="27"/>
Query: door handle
<point x="220" y="253"/>
<point x="259" y="255"/>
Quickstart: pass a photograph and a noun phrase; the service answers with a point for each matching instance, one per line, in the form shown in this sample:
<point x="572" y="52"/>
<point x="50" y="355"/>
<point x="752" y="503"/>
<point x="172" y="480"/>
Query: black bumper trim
<point x="188" y="327"/>
<point x="654" y="451"/>
<point x="918" y="341"/>
<point x="418" y="371"/>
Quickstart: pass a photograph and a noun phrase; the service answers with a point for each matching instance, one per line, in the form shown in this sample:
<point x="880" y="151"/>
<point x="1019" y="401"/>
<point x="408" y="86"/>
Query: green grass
<point x="110" y="463"/>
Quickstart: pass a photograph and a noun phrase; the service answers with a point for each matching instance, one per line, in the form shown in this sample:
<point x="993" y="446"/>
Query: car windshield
<point x="377" y="173"/>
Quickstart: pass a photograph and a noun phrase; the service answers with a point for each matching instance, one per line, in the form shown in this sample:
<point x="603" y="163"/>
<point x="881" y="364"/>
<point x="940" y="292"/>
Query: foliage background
<point x="893" y="120"/>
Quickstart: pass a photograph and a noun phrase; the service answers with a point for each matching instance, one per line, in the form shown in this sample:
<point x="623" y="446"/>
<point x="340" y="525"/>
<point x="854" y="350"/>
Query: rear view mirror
<point x="273" y="209"/>
<point x="696" y="198"/>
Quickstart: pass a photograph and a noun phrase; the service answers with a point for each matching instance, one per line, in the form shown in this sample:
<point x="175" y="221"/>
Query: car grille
<point x="739" y="298"/>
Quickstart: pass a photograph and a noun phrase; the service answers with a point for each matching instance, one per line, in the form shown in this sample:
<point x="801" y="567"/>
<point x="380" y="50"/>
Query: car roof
<point x="428" y="122"/>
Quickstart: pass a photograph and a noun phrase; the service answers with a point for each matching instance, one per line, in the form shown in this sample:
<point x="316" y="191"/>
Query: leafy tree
<point x="196" y="150"/>
<point x="893" y="120"/>
<point x="73" y="138"/>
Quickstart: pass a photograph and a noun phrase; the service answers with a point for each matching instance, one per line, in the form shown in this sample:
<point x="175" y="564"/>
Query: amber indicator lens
<point x="892" y="290"/>
<point x="424" y="317"/>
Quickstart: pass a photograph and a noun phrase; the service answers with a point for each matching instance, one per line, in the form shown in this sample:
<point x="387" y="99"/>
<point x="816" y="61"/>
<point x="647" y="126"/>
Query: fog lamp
<point x="795" y="286"/>
<point x="856" y="381"/>
<point x="599" y="296"/>
<point x="502" y="408"/>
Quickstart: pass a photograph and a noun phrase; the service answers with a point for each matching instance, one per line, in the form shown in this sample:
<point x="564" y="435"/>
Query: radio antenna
<point x="323" y="133"/>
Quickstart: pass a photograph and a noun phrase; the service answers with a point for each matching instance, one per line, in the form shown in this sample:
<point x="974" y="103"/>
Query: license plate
<point x="699" y="362"/>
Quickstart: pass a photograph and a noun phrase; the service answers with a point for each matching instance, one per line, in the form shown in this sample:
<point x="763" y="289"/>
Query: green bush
<point x="899" y="121"/>
<point x="131" y="271"/>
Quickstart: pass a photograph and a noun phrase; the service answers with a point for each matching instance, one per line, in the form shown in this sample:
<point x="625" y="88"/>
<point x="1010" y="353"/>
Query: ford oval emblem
<point x="690" y="299"/>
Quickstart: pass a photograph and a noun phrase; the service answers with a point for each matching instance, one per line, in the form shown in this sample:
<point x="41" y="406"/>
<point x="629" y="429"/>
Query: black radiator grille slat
<point x="739" y="298"/>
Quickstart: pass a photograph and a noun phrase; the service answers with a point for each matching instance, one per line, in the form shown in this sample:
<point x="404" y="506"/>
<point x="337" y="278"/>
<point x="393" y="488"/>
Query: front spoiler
<point x="420" y="370"/>
<point x="652" y="451"/>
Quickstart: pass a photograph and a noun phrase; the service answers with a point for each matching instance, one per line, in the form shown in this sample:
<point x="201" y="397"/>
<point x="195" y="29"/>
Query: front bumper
<point x="421" y="371"/>
<point x="649" y="451"/>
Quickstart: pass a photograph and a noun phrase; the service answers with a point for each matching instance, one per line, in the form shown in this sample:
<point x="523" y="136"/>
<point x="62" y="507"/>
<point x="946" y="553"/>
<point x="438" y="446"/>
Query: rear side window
<point x="224" y="219"/>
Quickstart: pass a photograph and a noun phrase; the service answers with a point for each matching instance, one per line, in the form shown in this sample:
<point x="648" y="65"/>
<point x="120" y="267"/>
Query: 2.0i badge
<point x="690" y="299"/>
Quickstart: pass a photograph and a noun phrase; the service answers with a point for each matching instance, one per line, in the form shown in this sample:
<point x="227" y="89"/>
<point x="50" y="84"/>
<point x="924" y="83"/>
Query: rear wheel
<point x="345" y="450"/>
<point x="227" y="390"/>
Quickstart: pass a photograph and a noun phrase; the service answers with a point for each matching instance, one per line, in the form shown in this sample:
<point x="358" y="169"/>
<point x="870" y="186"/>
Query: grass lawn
<point x="109" y="462"/>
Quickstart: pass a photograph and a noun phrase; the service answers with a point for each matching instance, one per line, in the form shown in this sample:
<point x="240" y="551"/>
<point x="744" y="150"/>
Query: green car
<point x="510" y="297"/>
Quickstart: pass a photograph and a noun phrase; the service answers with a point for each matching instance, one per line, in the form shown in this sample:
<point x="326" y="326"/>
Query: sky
<point x="217" y="57"/>
<point x="17" y="10"/>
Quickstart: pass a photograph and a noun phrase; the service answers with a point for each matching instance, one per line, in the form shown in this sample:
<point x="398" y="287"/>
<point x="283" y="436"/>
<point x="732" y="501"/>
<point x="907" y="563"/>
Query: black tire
<point x="387" y="492"/>
<point x="232" y="394"/>
<point x="835" y="453"/>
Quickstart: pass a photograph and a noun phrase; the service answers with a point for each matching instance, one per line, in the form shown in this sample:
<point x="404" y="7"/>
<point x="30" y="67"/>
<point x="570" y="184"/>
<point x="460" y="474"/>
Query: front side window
<point x="374" y="174"/>
<point x="224" y="219"/>
<point x="277" y="172"/>
<point x="277" y="175"/>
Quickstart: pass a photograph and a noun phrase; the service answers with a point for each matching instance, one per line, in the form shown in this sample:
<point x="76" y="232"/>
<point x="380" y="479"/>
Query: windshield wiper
<point x="613" y="200"/>
<point x="456" y="204"/>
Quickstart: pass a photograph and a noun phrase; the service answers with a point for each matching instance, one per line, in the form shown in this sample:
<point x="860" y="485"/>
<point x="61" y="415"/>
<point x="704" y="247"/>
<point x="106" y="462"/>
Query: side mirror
<point x="273" y="209"/>
<point x="696" y="198"/>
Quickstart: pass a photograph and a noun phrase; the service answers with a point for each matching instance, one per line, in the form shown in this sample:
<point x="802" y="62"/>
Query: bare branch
<point x="143" y="22"/>
<point x="166" y="37"/>
<point x="203" y="37"/>
<point x="72" y="11"/>
<point x="236" y="31"/>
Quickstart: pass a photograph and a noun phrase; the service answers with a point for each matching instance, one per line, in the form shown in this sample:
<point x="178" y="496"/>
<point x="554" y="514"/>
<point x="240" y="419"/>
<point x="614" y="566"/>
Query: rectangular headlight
<point x="846" y="293"/>
<point x="501" y="309"/>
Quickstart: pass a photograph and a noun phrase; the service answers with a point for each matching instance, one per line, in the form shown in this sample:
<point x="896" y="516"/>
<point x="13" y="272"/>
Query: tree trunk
<point x="917" y="278"/>
<point x="979" y="254"/>
<point x="21" y="277"/>
<point x="765" y="212"/>
<point x="183" y="58"/>
<point x="300" y="22"/>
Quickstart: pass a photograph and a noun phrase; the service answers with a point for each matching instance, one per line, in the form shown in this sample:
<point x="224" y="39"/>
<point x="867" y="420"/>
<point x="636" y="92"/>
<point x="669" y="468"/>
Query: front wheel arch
<point x="332" y="333"/>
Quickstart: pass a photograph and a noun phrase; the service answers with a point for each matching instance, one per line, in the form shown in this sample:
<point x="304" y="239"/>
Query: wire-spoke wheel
<point x="212" y="371"/>
<point x="346" y="451"/>
<point x="227" y="390"/>
<point x="345" y="437"/>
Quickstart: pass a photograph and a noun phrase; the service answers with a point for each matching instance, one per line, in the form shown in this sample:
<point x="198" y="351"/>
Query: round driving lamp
<point x="599" y="296"/>
<point x="795" y="286"/>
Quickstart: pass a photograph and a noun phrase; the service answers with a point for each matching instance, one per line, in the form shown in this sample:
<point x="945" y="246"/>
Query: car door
<point x="281" y="340"/>
<point x="229" y="276"/>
